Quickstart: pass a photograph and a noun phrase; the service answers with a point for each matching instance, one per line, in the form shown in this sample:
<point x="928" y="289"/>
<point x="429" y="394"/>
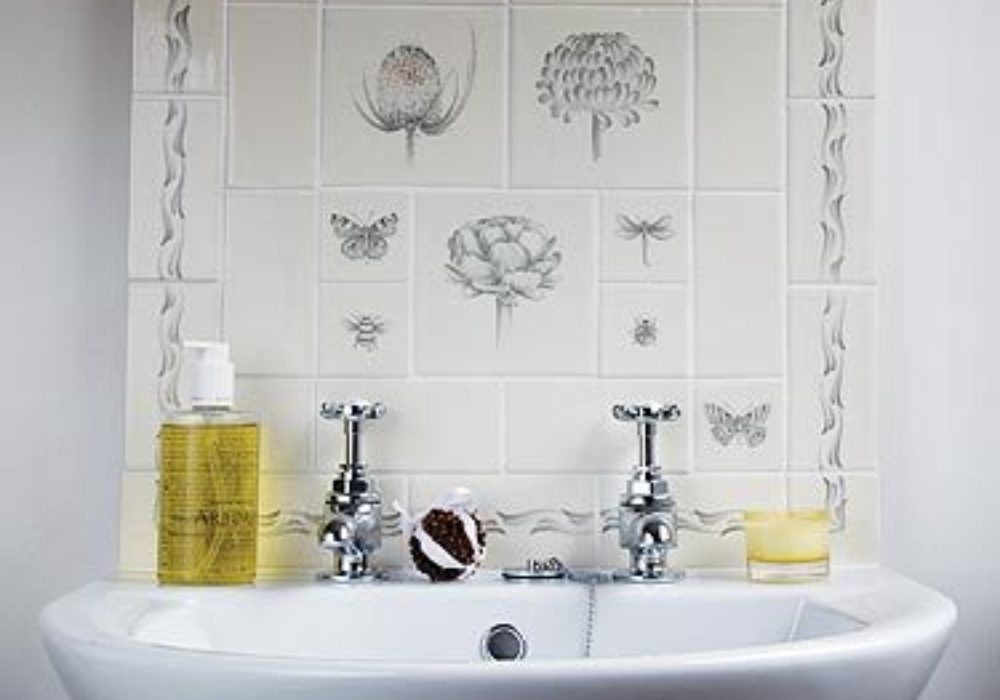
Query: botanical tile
<point x="738" y="283"/>
<point x="831" y="48"/>
<point x="858" y="542"/>
<point x="137" y="532"/>
<point x="429" y="426"/>
<point x="644" y="237"/>
<point x="176" y="197"/>
<point x="644" y="330"/>
<point x="160" y="318"/>
<point x="740" y="98"/>
<point x="273" y="100"/>
<point x="363" y="329"/>
<point x="832" y="418"/>
<point x="286" y="409"/>
<point x="177" y="46"/>
<point x="271" y="290"/>
<point x="704" y="541"/>
<point x="442" y="124"/>
<point x="567" y="426"/>
<point x="739" y="426"/>
<point x="505" y="284"/>
<point x="830" y="191"/>
<point x="577" y="134"/>
<point x="525" y="516"/>
<point x="365" y="236"/>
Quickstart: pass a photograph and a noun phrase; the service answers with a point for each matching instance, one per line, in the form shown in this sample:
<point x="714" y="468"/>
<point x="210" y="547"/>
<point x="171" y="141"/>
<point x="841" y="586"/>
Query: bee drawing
<point x="366" y="329"/>
<point x="365" y="238"/>
<point x="646" y="230"/>
<point x="727" y="424"/>
<point x="644" y="332"/>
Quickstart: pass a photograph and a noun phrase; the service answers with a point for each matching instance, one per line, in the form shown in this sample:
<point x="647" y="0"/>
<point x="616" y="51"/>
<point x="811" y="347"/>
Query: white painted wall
<point x="939" y="136"/>
<point x="64" y="74"/>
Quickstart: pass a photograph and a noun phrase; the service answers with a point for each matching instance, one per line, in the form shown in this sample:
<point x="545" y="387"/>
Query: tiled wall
<point x="499" y="219"/>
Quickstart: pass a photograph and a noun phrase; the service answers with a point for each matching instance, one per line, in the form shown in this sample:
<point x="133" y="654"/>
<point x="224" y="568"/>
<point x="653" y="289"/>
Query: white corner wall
<point x="64" y="68"/>
<point x="939" y="160"/>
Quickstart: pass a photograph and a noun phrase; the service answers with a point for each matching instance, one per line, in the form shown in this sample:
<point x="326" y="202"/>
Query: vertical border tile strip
<point x="831" y="402"/>
<point x="834" y="187"/>
<point x="171" y="349"/>
<point x="171" y="248"/>
<point x="832" y="61"/>
<point x="179" y="45"/>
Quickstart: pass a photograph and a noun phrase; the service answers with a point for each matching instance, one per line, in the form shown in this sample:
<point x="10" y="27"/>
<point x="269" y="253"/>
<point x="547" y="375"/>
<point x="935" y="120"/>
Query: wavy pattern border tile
<point x="831" y="463"/>
<point x="177" y="35"/>
<point x="171" y="248"/>
<point x="832" y="60"/>
<point x="834" y="191"/>
<point x="171" y="349"/>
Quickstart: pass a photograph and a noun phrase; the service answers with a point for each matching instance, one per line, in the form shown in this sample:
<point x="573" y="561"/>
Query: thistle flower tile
<point x="413" y="96"/>
<point x="625" y="129"/>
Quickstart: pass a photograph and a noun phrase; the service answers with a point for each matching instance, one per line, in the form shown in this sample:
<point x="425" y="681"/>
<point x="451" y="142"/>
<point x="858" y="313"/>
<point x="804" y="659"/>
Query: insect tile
<point x="365" y="237"/>
<point x="644" y="330"/>
<point x="363" y="329"/>
<point x="644" y="237"/>
<point x="739" y="426"/>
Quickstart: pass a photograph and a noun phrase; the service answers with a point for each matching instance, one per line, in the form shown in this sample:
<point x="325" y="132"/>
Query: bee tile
<point x="644" y="330"/>
<point x="365" y="236"/>
<point x="363" y="329"/>
<point x="413" y="95"/>
<point x="567" y="134"/>
<point x="644" y="237"/>
<point x="739" y="426"/>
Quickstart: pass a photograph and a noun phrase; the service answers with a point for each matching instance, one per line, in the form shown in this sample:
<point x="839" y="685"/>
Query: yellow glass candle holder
<point x="787" y="546"/>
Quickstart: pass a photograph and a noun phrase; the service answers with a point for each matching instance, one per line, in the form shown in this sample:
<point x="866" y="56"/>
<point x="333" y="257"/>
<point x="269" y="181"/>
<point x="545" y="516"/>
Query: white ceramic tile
<point x="738" y="284"/>
<point x="517" y="505"/>
<point x="273" y="101"/>
<point x="137" y="533"/>
<point x="739" y="426"/>
<point x="644" y="330"/>
<point x="177" y="46"/>
<point x="639" y="142"/>
<point x="506" y="283"/>
<point x="644" y="237"/>
<point x="366" y="236"/>
<point x="291" y="508"/>
<point x="429" y="426"/>
<point x="843" y="31"/>
<point x="453" y="108"/>
<point x="567" y="427"/>
<point x="740" y="98"/>
<point x="858" y="543"/>
<point x="832" y="378"/>
<point x="742" y="3"/>
<point x="176" y="196"/>
<point x="271" y="283"/>
<point x="363" y="329"/>
<point x="830" y="191"/>
<point x="602" y="2"/>
<point x="286" y="409"/>
<point x="160" y="319"/>
<point x="713" y="494"/>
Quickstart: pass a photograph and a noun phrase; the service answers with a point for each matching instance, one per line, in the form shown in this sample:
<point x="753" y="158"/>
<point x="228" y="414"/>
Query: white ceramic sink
<point x="866" y="634"/>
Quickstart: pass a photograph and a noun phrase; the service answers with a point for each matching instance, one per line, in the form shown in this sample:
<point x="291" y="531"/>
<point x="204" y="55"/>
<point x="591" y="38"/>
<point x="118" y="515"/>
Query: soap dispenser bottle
<point x="208" y="488"/>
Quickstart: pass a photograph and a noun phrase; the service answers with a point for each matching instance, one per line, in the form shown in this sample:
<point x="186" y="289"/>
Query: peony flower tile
<point x="500" y="217"/>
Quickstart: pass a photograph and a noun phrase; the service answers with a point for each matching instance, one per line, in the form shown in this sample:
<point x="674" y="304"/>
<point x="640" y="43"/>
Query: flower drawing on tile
<point x="750" y="425"/>
<point x="644" y="332"/>
<point x="510" y="258"/>
<point x="412" y="93"/>
<point x="645" y="230"/>
<point x="366" y="330"/>
<point x="364" y="238"/>
<point x="177" y="34"/>
<point x="600" y="75"/>
<point x="172" y="191"/>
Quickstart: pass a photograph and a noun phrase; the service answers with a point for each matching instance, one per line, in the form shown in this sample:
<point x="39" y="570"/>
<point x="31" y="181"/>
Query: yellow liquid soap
<point x="208" y="498"/>
<point x="787" y="546"/>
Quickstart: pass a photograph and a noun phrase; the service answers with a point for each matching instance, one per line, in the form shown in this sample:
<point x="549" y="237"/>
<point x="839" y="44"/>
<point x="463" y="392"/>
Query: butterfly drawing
<point x="364" y="239"/>
<point x="633" y="227"/>
<point x="727" y="424"/>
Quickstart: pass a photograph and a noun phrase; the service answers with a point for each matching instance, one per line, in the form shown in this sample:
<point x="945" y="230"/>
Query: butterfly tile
<point x="365" y="236"/>
<point x="561" y="141"/>
<point x="540" y="318"/>
<point x="447" y="129"/>
<point x="644" y="330"/>
<point x="644" y="237"/>
<point x="739" y="426"/>
<point x="363" y="329"/>
<point x="177" y="46"/>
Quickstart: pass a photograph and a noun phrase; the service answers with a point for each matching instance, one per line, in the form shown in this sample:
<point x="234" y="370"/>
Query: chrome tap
<point x="647" y="512"/>
<point x="353" y="528"/>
